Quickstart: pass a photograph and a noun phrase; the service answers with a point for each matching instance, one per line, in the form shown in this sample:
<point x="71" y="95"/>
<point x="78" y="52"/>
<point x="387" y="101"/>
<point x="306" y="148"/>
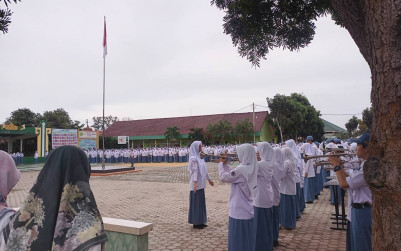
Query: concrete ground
<point x="159" y="194"/>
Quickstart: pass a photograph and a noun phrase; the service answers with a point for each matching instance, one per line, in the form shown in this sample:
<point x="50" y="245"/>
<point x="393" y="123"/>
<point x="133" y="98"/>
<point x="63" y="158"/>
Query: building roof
<point x="330" y="127"/>
<point x="149" y="127"/>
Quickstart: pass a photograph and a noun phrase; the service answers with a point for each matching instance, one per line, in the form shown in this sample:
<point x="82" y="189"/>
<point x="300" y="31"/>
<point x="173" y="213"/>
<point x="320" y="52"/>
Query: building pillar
<point x="41" y="139"/>
<point x="20" y="145"/>
<point x="10" y="146"/>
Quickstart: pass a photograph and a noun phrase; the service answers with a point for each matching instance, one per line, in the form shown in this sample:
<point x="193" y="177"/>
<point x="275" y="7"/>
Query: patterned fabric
<point x="60" y="212"/>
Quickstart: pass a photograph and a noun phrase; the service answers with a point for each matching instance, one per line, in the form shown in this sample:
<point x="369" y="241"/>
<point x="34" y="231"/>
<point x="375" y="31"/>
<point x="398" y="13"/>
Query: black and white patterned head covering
<point x="60" y="211"/>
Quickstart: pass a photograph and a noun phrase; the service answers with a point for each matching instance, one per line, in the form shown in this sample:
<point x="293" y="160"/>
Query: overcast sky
<point x="165" y="59"/>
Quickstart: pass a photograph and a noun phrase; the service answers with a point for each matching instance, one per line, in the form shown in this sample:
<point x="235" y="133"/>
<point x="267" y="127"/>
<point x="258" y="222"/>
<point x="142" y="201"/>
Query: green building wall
<point x="267" y="133"/>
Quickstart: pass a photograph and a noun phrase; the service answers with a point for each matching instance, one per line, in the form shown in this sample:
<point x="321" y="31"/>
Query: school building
<point x="151" y="132"/>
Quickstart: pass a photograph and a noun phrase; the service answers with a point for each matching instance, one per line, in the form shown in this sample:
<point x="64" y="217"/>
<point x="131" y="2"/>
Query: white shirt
<point x="264" y="196"/>
<point x="308" y="149"/>
<point x="287" y="181"/>
<point x="195" y="175"/>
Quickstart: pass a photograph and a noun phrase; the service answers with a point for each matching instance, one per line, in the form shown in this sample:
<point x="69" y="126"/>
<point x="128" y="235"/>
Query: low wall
<point x="126" y="235"/>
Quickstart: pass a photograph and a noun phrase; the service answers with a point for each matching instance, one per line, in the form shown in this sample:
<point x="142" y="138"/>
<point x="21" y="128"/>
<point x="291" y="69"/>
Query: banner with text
<point x="64" y="137"/>
<point x="122" y="139"/>
<point x="87" y="144"/>
<point x="87" y="135"/>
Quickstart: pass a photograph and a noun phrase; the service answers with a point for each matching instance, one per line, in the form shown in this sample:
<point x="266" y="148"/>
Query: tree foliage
<point x="352" y="125"/>
<point x="59" y="118"/>
<point x="242" y="130"/>
<point x="224" y="130"/>
<point x="221" y="132"/>
<point x="367" y="118"/>
<point x="98" y="122"/>
<point x="211" y="133"/>
<point x="24" y="116"/>
<point x="172" y="133"/>
<point x="5" y="16"/>
<point x="197" y="134"/>
<point x="257" y="26"/>
<point x="295" y="116"/>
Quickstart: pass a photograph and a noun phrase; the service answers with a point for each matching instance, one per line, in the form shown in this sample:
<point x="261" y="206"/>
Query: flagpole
<point x="104" y="87"/>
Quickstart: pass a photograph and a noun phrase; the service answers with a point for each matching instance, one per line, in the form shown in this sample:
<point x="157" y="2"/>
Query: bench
<point x="126" y="234"/>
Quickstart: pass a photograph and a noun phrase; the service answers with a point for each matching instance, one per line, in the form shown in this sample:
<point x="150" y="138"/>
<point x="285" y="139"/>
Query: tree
<point x="196" y="134"/>
<point x="367" y="118"/>
<point x="172" y="133"/>
<point x="98" y="122"/>
<point x="242" y="130"/>
<point x="5" y="16"/>
<point x="361" y="126"/>
<point x="211" y="132"/>
<point x="111" y="143"/>
<point x="312" y="125"/>
<point x="256" y="27"/>
<point x="288" y="113"/>
<point x="352" y="125"/>
<point x="224" y="130"/>
<point x="59" y="118"/>
<point x="24" y="116"/>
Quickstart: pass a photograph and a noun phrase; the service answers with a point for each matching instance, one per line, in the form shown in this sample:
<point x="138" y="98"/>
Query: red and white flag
<point x="104" y="40"/>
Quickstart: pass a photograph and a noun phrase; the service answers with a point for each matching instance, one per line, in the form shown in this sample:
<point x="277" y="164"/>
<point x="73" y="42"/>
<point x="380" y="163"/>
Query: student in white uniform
<point x="299" y="174"/>
<point x="288" y="192"/>
<point x="277" y="173"/>
<point x="198" y="176"/>
<point x="264" y="198"/>
<point x="243" y="181"/>
<point x="361" y="196"/>
<point x="309" y="171"/>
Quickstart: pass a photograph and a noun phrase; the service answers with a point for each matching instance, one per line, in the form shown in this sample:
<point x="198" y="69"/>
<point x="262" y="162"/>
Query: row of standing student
<point x="64" y="217"/>
<point x="349" y="172"/>
<point x="132" y="156"/>
<point x="263" y="194"/>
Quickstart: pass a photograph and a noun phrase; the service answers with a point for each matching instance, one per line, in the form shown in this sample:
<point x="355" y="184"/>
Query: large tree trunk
<point x="375" y="26"/>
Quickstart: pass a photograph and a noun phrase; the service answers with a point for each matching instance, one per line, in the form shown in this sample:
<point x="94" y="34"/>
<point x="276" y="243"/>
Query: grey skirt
<point x="197" y="207"/>
<point x="241" y="235"/>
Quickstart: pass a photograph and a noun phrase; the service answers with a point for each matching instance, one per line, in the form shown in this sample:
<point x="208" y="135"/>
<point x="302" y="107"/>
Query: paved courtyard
<point x="159" y="194"/>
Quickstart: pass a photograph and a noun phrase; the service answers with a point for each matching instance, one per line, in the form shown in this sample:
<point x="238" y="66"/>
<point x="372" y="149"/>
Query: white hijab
<point x="291" y="144"/>
<point x="194" y="154"/>
<point x="279" y="162"/>
<point x="290" y="159"/>
<point x="266" y="152"/>
<point x="249" y="165"/>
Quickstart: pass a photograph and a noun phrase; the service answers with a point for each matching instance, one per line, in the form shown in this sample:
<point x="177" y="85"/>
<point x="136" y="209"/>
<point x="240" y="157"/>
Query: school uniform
<point x="361" y="211"/>
<point x="197" y="202"/>
<point x="36" y="157"/>
<point x="288" y="200"/>
<point x="264" y="199"/>
<point x="309" y="173"/>
<point x="277" y="173"/>
<point x="243" y="181"/>
<point x="241" y="211"/>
